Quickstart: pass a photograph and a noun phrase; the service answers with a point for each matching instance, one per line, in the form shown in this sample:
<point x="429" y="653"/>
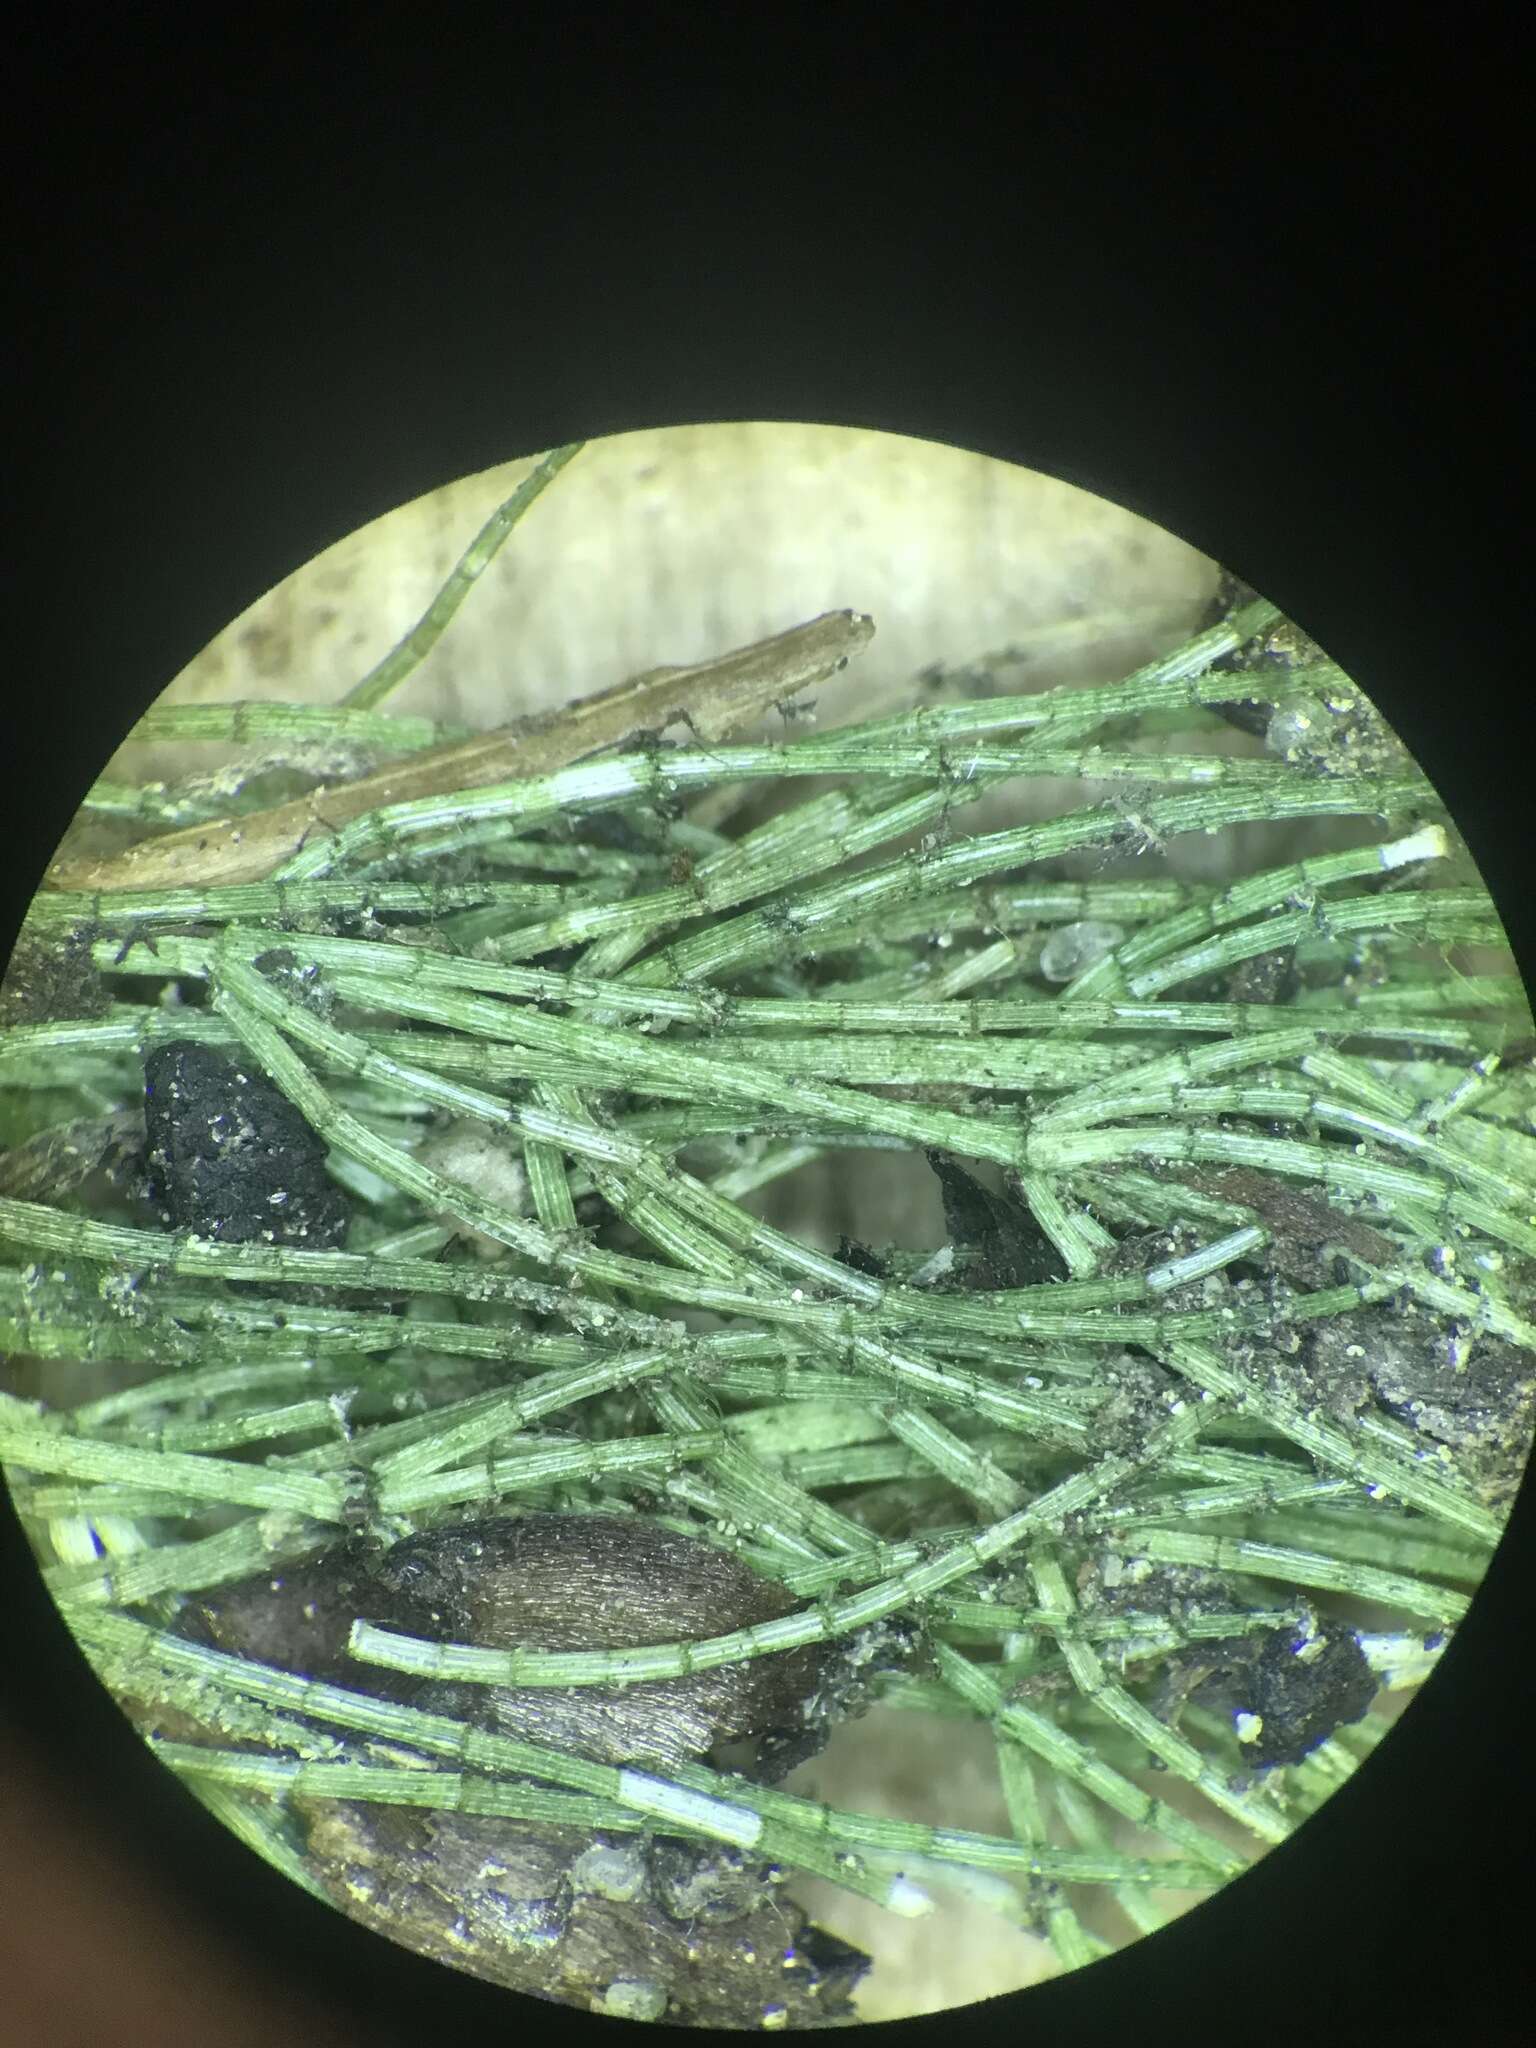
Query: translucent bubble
<point x="1075" y="947"/>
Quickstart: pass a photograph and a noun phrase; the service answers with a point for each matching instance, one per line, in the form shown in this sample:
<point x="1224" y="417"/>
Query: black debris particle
<point x="1472" y="1392"/>
<point x="231" y="1158"/>
<point x="1266" y="978"/>
<point x="860" y="1258"/>
<point x="1297" y="1688"/>
<point x="51" y="976"/>
<point x="1247" y="714"/>
<point x="298" y="979"/>
<point x="997" y="1242"/>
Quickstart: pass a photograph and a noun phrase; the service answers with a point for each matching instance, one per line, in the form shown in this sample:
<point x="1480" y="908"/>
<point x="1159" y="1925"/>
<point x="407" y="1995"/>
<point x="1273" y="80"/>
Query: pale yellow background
<point x="672" y="545"/>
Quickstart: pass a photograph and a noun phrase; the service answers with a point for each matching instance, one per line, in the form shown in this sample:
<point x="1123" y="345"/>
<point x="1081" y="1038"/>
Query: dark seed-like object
<point x="603" y="1582"/>
<point x="551" y="1582"/>
<point x="231" y="1158"/>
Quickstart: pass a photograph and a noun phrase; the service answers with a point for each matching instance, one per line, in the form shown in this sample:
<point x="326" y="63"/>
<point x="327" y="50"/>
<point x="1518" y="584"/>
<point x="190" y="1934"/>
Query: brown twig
<point x="712" y="697"/>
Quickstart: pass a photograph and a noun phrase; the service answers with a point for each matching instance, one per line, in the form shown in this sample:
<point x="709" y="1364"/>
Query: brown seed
<point x="603" y="1582"/>
<point x="541" y="1581"/>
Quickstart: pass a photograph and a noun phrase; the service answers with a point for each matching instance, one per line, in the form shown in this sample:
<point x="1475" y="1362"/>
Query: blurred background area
<point x="676" y="544"/>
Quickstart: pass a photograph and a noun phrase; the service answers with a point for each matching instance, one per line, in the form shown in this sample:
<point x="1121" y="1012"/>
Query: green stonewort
<point x="483" y="1523"/>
